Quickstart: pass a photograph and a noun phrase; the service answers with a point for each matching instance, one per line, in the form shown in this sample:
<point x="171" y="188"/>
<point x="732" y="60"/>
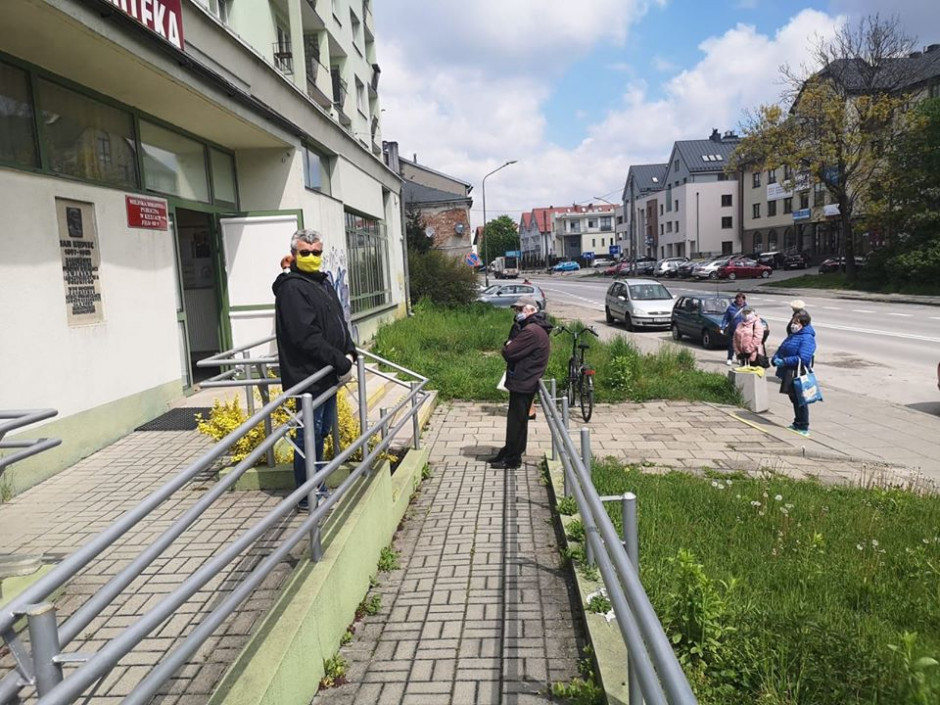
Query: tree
<point x="415" y="229"/>
<point x="843" y="118"/>
<point x="500" y="236"/>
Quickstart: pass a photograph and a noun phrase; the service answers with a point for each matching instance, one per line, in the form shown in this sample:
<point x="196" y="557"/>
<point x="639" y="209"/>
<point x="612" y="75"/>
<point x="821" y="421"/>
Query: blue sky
<point x="578" y="91"/>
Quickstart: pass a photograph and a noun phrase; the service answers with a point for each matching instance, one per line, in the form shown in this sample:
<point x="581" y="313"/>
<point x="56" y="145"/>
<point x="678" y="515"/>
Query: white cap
<point x="797" y="304"/>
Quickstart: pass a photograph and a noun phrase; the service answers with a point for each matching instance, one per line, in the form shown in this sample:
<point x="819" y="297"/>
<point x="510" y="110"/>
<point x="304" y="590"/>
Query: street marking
<point x="861" y="310"/>
<point x="831" y="308"/>
<point x="904" y="315"/>
<point x="870" y="331"/>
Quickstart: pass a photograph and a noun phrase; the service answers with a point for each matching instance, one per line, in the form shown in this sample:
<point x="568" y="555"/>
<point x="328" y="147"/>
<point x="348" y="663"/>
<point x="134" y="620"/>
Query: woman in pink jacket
<point x="748" y="337"/>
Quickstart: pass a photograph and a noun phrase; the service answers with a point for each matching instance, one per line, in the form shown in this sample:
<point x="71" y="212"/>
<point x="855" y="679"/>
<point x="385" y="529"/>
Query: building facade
<point x="584" y="232"/>
<point x="643" y="181"/>
<point x="154" y="160"/>
<point x="444" y="203"/>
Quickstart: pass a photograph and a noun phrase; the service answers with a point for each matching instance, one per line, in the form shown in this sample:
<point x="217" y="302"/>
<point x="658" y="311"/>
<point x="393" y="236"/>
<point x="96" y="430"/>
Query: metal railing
<point x="40" y="662"/>
<point x="654" y="675"/>
<point x="14" y="419"/>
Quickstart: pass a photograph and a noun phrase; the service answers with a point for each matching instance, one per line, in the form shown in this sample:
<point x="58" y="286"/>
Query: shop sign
<point x="801" y="214"/>
<point x="149" y="213"/>
<point x="78" y="248"/>
<point x="162" y="17"/>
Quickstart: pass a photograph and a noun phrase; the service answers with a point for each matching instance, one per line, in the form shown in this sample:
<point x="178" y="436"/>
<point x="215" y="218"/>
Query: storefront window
<point x="173" y="164"/>
<point x="86" y="138"/>
<point x="17" y="123"/>
<point x="367" y="247"/>
<point x="223" y="177"/>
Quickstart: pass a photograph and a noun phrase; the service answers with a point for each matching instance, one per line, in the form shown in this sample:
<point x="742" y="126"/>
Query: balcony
<point x="283" y="57"/>
<point x="374" y="83"/>
<point x="339" y="96"/>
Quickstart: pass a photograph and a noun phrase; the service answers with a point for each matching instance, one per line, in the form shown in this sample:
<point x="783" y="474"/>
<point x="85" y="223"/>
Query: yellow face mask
<point x="309" y="262"/>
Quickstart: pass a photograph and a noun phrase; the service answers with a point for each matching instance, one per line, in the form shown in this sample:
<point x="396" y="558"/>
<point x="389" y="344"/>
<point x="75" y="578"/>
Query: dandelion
<point x="729" y="483"/>
<point x="778" y="498"/>
<point x="755" y="503"/>
<point x="720" y="486"/>
<point x="760" y="513"/>
<point x="766" y="495"/>
<point x="874" y="543"/>
<point x="860" y="547"/>
<point x="788" y="506"/>
<point x="737" y="496"/>
<point x="784" y="511"/>
<point x="714" y="483"/>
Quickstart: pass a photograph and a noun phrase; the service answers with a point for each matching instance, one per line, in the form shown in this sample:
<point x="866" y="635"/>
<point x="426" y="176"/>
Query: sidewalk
<point x="480" y="610"/>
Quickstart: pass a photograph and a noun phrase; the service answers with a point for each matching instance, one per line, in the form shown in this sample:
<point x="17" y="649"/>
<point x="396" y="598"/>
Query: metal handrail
<point x="653" y="668"/>
<point x="41" y="664"/>
<point x="18" y="418"/>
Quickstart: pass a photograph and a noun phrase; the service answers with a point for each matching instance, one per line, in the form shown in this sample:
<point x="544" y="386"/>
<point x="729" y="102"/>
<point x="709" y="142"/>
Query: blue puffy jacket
<point x="797" y="346"/>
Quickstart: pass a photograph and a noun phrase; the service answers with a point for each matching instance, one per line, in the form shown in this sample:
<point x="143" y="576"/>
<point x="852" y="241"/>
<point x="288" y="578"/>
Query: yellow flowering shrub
<point x="226" y="416"/>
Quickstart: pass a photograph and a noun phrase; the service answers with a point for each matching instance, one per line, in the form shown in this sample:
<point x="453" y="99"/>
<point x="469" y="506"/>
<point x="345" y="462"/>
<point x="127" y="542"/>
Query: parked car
<point x="566" y="267"/>
<point x="645" y="266"/>
<point x="773" y="259"/>
<point x="617" y="269"/>
<point x="743" y="268"/>
<point x="709" y="268"/>
<point x="638" y="303"/>
<point x="796" y="261"/>
<point x="667" y="267"/>
<point x="684" y="270"/>
<point x="505" y="295"/>
<point x="699" y="317"/>
<point x="598" y="262"/>
<point x="837" y="264"/>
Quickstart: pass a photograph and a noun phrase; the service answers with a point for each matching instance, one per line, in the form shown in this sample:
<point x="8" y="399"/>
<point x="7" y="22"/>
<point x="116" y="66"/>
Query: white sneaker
<point x="729" y="362"/>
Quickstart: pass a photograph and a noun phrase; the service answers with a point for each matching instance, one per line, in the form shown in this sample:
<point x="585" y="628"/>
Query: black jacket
<point x="311" y="329"/>
<point x="526" y="354"/>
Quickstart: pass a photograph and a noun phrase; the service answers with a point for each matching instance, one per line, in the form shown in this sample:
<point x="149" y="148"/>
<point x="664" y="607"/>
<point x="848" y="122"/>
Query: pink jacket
<point x="748" y="336"/>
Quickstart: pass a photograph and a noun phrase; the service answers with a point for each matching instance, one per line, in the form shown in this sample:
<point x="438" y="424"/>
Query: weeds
<point x="388" y="560"/>
<point x="334" y="672"/>
<point x="582" y="689"/>
<point x="567" y="506"/>
<point x="599" y="604"/>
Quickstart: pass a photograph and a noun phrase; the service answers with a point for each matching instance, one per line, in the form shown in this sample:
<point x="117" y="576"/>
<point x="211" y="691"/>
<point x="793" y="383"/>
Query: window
<point x="675" y="165"/>
<point x="771" y="209"/>
<point x="173" y="164"/>
<point x="593" y="242"/>
<point x="17" y="122"/>
<point x="592" y="223"/>
<point x="772" y="240"/>
<point x="787" y="205"/>
<point x="669" y="198"/>
<point x="356" y="30"/>
<point x="677" y="205"/>
<point x="367" y="248"/>
<point x="316" y="171"/>
<point x="607" y="222"/>
<point x="725" y="200"/>
<point x="726" y="222"/>
<point x="87" y="139"/>
<point x="223" y="177"/>
<point x="804" y="199"/>
<point x="669" y="227"/>
<point x="755" y="179"/>
<point x="662" y="229"/>
<point x="722" y="176"/>
<point x="771" y="176"/>
<point x="787" y="173"/>
<point x="756" y="210"/>
<point x="660" y="208"/>
<point x="758" y="242"/>
<point x="360" y="96"/>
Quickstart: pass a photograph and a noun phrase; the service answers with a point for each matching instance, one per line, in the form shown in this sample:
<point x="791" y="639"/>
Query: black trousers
<point x="517" y="427"/>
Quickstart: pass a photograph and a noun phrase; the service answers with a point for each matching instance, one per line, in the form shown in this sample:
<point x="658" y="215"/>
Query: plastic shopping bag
<point x="501" y="385"/>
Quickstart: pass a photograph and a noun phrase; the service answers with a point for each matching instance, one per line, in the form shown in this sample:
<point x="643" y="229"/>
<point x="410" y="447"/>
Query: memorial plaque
<point x="78" y="247"/>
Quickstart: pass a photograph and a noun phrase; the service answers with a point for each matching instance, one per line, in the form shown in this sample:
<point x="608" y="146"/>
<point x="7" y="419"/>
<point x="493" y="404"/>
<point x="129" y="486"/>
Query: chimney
<point x="415" y="160"/>
<point x="716" y="135"/>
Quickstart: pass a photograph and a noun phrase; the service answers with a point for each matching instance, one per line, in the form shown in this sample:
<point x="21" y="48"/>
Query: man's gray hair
<point x="306" y="235"/>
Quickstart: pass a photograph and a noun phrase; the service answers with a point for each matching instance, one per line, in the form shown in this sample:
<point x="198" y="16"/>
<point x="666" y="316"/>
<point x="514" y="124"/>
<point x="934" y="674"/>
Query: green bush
<point x="440" y="278"/>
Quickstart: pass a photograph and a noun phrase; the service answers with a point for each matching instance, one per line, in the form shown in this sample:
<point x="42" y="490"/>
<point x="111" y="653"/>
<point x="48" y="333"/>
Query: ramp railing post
<point x="310" y="469"/>
<point x="631" y="542"/>
<point x="415" y="421"/>
<point x="44" y="638"/>
<point x="265" y="393"/>
<point x="586" y="459"/>
<point x="363" y="393"/>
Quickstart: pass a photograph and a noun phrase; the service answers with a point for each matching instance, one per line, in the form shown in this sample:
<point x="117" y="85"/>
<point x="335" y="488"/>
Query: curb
<point x="851" y="295"/>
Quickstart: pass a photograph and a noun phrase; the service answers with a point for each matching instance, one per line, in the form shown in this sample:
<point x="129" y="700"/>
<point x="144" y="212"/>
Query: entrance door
<point x="186" y="372"/>
<point x="199" y="287"/>
<point x="253" y="247"/>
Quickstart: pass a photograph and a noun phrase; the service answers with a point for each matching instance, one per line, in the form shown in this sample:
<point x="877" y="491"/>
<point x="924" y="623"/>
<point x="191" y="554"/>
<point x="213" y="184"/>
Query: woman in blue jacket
<point x="799" y="347"/>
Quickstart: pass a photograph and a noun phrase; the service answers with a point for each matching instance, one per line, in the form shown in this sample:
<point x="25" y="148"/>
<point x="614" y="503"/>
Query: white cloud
<point x="466" y="119"/>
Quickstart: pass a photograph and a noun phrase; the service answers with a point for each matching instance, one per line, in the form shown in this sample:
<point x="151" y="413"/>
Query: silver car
<point x="505" y="295"/>
<point x="639" y="303"/>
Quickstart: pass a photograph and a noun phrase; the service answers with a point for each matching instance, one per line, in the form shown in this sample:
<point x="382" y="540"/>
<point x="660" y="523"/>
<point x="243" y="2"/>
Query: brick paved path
<point x="480" y="610"/>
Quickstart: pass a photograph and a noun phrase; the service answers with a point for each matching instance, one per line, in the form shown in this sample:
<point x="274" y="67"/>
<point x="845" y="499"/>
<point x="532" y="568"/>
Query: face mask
<point x="520" y="316"/>
<point x="309" y="263"/>
<point x="796" y="327"/>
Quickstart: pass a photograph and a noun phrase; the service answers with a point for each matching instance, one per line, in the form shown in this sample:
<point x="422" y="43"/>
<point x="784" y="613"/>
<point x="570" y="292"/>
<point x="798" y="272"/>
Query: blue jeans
<point x="800" y="412"/>
<point x="324" y="416"/>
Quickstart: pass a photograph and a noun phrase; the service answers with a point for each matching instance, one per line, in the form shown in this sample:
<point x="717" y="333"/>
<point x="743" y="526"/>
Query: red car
<point x="743" y="268"/>
<point x="619" y="268"/>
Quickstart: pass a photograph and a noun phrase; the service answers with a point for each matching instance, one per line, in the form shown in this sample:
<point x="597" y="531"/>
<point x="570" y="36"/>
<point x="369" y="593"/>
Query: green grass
<point x="778" y="591"/>
<point x="459" y="350"/>
<point x="838" y="281"/>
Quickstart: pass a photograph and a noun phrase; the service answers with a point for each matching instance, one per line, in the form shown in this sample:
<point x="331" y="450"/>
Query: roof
<point x="706" y="155"/>
<point x="527" y="219"/>
<point x="901" y="73"/>
<point x="428" y="169"/>
<point x="648" y="177"/>
<point x="421" y="194"/>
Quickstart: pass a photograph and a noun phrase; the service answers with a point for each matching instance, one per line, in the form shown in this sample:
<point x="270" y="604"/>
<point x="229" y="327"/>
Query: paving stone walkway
<point x="480" y="610"/>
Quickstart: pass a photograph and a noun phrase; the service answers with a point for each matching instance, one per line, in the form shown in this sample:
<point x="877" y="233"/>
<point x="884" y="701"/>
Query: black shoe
<point x="303" y="505"/>
<point x="506" y="464"/>
<point x="498" y="458"/>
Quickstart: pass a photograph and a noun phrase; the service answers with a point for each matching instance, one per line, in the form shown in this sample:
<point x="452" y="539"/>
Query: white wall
<point x="46" y="363"/>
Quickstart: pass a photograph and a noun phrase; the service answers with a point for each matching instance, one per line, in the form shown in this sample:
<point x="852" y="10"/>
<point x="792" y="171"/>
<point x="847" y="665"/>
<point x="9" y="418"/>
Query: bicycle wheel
<point x="586" y="390"/>
<point x="572" y="381"/>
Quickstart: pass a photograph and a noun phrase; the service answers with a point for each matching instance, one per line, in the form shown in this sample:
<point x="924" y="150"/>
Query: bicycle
<point x="580" y="382"/>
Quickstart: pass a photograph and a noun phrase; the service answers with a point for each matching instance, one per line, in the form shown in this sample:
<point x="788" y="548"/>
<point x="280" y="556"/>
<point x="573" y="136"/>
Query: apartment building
<point x="155" y="158"/>
<point x="643" y="182"/>
<point x="579" y="230"/>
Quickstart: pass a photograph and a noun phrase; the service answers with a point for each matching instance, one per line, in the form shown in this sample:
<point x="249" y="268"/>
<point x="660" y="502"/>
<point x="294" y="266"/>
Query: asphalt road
<point x="888" y="350"/>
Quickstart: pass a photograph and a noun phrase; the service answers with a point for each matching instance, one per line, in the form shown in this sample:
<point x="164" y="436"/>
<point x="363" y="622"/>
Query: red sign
<point x="162" y="17"/>
<point x="150" y="213"/>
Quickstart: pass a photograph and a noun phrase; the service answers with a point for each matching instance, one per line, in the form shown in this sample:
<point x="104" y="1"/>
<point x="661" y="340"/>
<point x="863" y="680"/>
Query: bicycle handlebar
<point x="561" y="329"/>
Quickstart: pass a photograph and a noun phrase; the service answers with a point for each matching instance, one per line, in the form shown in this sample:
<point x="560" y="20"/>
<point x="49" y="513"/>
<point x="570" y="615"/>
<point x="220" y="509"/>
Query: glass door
<point x="182" y="329"/>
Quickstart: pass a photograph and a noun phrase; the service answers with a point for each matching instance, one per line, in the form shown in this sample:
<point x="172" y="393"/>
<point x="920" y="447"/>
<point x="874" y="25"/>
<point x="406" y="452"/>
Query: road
<point x="887" y="350"/>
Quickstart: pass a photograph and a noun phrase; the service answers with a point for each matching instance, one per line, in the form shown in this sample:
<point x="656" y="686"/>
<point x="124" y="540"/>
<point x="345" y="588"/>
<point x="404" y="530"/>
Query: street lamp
<point x="486" y="242"/>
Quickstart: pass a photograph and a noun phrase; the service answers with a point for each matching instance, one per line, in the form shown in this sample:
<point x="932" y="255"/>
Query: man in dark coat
<point x="526" y="354"/>
<point x="311" y="334"/>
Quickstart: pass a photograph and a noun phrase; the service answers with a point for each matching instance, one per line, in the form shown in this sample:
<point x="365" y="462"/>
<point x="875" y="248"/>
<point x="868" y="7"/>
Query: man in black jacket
<point x="526" y="354"/>
<point x="311" y="334"/>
